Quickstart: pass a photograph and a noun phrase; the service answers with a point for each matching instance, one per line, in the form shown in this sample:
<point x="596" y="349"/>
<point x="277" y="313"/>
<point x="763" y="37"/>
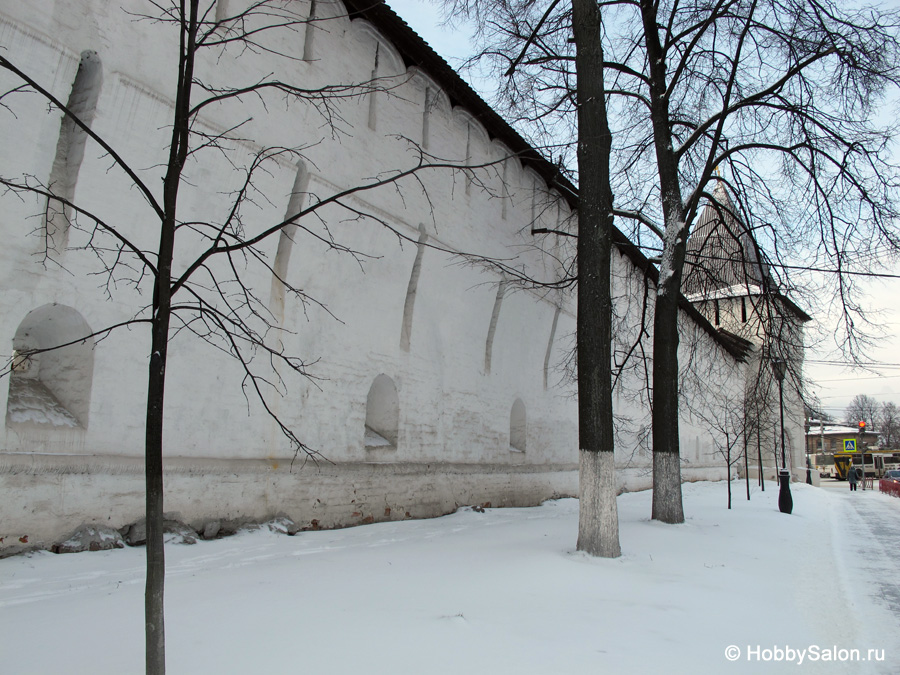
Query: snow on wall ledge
<point x="30" y="402"/>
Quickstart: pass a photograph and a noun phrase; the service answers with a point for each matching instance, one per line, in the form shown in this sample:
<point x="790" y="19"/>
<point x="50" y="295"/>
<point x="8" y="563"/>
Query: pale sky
<point x="834" y="384"/>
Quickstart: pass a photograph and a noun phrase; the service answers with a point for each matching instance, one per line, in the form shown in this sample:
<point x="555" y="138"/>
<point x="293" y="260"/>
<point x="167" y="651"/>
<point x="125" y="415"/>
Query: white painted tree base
<point x="667" y="504"/>
<point x="598" y="515"/>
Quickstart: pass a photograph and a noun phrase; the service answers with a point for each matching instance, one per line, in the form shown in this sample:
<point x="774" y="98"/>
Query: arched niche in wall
<point x="566" y="221"/>
<point x="313" y="14"/>
<point x="334" y="12"/>
<point x="435" y="109"/>
<point x="296" y="201"/>
<point x="567" y="217"/>
<point x="517" y="427"/>
<point x="223" y="10"/>
<point x="390" y="63"/>
<point x="548" y="354"/>
<point x="533" y="193"/>
<point x="70" y="150"/>
<point x="508" y="170"/>
<point x="543" y="202"/>
<point x="550" y="215"/>
<point x="382" y="414"/>
<point x="474" y="149"/>
<point x="52" y="388"/>
<point x="382" y="65"/>
<point x="288" y="21"/>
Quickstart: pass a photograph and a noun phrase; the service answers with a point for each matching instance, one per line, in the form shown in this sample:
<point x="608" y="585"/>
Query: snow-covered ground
<point x="496" y="592"/>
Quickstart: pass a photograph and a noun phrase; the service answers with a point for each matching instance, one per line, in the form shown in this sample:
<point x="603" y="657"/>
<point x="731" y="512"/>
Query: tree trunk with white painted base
<point x="667" y="505"/>
<point x="598" y="522"/>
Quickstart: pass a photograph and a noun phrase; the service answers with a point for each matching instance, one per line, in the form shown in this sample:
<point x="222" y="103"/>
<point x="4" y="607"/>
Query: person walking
<point x="851" y="477"/>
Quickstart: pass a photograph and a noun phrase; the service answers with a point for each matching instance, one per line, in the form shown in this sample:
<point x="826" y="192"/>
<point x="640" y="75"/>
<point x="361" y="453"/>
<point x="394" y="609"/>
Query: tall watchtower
<point x="729" y="281"/>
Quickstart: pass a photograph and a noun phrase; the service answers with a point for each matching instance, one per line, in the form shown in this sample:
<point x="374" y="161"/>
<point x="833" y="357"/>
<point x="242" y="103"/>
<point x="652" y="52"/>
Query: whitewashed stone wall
<point x="738" y="312"/>
<point x="461" y="345"/>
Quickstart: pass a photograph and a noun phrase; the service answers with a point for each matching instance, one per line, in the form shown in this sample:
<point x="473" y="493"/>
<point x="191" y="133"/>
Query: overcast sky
<point x="834" y="383"/>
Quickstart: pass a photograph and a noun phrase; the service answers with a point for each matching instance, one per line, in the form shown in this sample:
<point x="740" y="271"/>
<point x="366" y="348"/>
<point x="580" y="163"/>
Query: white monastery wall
<point x="476" y="363"/>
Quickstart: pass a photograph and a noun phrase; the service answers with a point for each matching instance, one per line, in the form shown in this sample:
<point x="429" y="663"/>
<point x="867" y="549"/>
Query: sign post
<point x="861" y="446"/>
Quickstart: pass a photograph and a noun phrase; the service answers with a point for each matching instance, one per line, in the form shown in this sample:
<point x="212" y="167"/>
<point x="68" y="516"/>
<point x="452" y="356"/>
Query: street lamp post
<point x="785" y="501"/>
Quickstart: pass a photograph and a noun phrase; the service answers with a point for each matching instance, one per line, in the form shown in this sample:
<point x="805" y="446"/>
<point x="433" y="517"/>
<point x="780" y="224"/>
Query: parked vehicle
<point x="875" y="463"/>
<point x="893" y="474"/>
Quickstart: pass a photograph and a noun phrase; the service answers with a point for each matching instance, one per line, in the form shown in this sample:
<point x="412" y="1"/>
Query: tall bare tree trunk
<point x="667" y="503"/>
<point x="154" y="616"/>
<point x="762" y="480"/>
<point x="746" y="459"/>
<point x="728" y="465"/>
<point x="162" y="311"/>
<point x="598" y="522"/>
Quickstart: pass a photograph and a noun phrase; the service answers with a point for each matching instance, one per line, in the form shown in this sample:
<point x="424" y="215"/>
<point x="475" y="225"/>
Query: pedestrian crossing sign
<point x="849" y="445"/>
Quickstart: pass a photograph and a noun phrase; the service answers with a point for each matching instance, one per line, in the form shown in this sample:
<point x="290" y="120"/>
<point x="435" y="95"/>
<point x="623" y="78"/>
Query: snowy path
<point x="871" y="544"/>
<point x="496" y="592"/>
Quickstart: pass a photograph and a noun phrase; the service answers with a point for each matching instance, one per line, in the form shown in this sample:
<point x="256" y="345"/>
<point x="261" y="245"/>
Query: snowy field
<point x="496" y="592"/>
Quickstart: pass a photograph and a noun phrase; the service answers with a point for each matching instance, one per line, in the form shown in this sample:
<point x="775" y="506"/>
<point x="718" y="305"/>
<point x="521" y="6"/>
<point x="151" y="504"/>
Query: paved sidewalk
<point x="873" y="520"/>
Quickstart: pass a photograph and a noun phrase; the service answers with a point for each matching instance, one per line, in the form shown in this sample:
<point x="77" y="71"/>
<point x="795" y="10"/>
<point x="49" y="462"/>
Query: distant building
<point x="830" y="438"/>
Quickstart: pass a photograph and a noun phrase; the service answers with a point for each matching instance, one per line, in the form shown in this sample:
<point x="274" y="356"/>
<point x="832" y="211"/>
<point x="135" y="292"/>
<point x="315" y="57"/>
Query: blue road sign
<point x="849" y="445"/>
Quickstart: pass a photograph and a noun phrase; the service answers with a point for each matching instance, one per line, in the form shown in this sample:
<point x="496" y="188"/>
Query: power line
<point x="855" y="379"/>
<point x="847" y="364"/>
<point x="845" y="396"/>
<point x="874" y="275"/>
<point x="785" y="266"/>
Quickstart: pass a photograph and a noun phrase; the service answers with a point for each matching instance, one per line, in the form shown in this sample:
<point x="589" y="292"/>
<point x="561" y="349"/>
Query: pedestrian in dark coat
<point x="851" y="476"/>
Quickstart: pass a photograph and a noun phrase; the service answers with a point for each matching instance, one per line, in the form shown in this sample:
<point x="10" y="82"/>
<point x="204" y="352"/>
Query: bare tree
<point x="889" y="424"/>
<point x="864" y="408"/>
<point x="738" y="419"/>
<point x="774" y="104"/>
<point x="198" y="268"/>
<point x="732" y="446"/>
<point x="762" y="418"/>
<point x="749" y="85"/>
